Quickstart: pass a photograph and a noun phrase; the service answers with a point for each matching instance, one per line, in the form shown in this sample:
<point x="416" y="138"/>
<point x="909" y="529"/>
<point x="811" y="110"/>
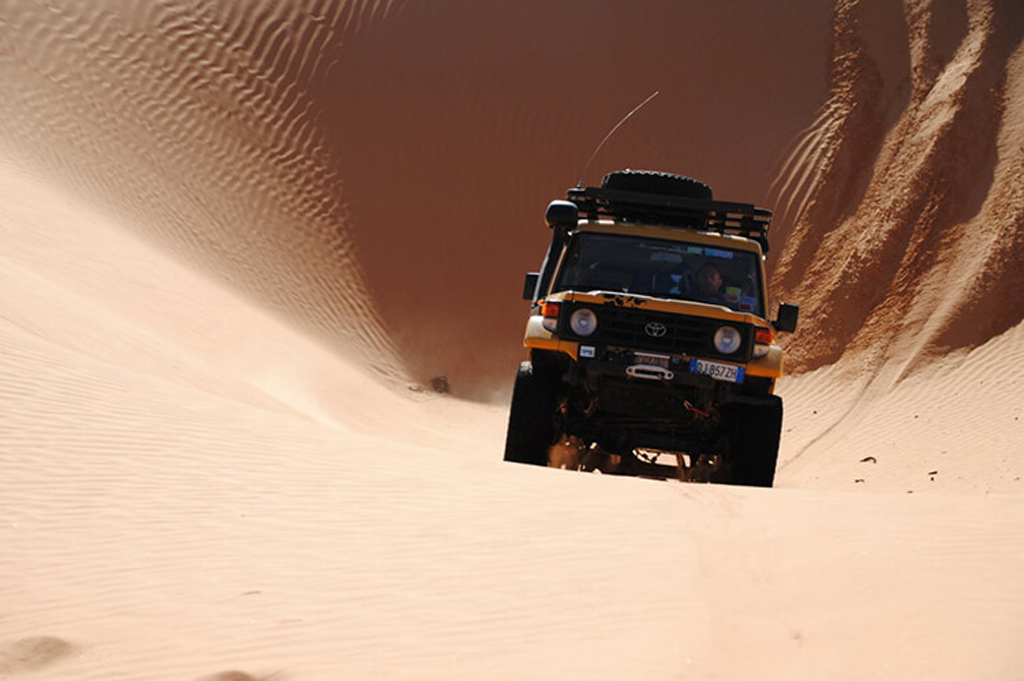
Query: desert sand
<point x="239" y="241"/>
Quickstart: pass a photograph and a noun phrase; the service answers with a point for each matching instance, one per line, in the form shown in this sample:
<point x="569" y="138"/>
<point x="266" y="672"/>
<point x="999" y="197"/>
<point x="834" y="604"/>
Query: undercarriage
<point x="690" y="427"/>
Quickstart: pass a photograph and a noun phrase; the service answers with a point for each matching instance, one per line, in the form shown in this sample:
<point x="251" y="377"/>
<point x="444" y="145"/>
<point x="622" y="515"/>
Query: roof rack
<point x="723" y="217"/>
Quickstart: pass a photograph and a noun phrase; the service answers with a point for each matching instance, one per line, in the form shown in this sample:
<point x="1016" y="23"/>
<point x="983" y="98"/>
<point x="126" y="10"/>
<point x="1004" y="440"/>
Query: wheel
<point x="657" y="183"/>
<point x="531" y="424"/>
<point x="754" y="444"/>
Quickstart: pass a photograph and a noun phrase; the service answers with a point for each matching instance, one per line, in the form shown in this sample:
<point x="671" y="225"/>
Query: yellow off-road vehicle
<point x="649" y="338"/>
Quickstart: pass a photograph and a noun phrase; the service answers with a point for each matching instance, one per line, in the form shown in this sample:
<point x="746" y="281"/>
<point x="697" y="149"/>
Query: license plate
<point x="651" y="360"/>
<point x="716" y="370"/>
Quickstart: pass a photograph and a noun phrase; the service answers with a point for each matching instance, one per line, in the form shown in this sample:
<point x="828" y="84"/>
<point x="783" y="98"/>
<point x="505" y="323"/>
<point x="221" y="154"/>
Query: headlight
<point x="583" y="322"/>
<point x="727" y="340"/>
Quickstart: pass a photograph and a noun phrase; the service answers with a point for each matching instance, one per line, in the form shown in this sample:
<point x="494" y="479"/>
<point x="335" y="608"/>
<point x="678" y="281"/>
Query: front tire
<point x="754" y="443"/>
<point x="531" y="425"/>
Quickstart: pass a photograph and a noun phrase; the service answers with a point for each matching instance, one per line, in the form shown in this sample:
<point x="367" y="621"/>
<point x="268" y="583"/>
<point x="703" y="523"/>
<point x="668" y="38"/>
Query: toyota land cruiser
<point x="649" y="337"/>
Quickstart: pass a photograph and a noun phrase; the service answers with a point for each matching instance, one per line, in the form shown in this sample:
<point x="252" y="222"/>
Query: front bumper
<point x="675" y="376"/>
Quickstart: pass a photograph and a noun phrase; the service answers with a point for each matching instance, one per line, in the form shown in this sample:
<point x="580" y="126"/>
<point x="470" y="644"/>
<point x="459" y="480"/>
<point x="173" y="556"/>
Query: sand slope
<point x="235" y="238"/>
<point x="906" y="190"/>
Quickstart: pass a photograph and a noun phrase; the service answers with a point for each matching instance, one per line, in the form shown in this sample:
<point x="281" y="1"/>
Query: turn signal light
<point x="550" y="313"/>
<point x="763" y="338"/>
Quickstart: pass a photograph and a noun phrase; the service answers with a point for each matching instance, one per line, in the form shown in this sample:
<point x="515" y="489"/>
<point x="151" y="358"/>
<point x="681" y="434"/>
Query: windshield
<point x="662" y="268"/>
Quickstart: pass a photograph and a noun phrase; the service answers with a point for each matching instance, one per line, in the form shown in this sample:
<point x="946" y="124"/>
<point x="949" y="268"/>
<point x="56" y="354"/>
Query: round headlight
<point x="583" y="322"/>
<point x="727" y="340"/>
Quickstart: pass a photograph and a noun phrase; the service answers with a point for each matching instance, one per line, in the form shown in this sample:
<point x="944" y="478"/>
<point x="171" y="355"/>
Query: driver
<point x="709" y="281"/>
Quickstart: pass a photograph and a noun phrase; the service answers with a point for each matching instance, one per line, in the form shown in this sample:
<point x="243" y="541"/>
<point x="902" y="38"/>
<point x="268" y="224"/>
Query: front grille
<point x="640" y="329"/>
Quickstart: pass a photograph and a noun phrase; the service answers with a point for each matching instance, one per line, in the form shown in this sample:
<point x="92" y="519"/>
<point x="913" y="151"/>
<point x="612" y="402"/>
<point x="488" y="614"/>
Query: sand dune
<point x="908" y="231"/>
<point x="238" y="241"/>
<point x="314" y="158"/>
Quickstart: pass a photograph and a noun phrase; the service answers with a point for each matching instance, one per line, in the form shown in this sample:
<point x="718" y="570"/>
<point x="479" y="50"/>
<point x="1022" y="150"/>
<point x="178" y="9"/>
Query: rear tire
<point x="754" y="443"/>
<point x="531" y="425"/>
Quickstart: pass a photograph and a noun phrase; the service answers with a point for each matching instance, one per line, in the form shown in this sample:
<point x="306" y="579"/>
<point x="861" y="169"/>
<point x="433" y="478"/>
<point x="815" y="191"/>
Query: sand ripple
<point x="195" y="124"/>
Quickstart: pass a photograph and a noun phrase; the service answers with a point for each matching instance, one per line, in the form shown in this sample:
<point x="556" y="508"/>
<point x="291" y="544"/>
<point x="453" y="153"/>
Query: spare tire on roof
<point x="653" y="182"/>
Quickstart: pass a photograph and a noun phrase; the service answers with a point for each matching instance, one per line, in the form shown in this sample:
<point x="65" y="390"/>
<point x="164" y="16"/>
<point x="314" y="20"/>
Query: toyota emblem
<point x="656" y="329"/>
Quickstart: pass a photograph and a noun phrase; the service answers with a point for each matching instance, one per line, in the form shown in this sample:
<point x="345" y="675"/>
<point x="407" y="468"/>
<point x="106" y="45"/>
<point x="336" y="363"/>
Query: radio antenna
<point x="612" y="132"/>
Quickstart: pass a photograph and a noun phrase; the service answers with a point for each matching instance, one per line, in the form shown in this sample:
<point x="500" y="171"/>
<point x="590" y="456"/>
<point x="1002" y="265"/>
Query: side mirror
<point x="530" y="285"/>
<point x="786" y="320"/>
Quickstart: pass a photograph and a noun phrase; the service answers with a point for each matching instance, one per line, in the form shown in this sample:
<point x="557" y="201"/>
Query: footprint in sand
<point x="234" y="675"/>
<point x="30" y="654"/>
